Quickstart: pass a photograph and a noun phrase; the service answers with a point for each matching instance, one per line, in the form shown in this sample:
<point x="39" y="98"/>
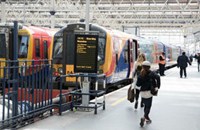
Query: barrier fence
<point x="26" y="91"/>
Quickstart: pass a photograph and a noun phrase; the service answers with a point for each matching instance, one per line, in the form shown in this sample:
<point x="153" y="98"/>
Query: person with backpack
<point x="136" y="71"/>
<point x="147" y="80"/>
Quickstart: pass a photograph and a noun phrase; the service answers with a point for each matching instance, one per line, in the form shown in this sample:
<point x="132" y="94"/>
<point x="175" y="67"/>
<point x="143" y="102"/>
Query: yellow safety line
<point x="119" y="101"/>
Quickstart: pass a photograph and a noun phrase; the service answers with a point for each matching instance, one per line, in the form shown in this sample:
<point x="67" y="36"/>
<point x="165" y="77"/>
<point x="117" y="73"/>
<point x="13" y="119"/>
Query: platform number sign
<point x="86" y="47"/>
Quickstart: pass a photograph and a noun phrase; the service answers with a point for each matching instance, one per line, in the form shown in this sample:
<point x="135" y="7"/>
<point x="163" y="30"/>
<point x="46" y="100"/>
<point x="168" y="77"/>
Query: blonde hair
<point x="141" y="58"/>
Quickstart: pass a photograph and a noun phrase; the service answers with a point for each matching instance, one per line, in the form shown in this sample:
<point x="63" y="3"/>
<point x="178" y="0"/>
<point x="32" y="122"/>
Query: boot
<point x="142" y="120"/>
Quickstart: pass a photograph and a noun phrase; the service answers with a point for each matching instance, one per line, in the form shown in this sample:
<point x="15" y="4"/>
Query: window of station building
<point x="37" y="47"/>
<point x="23" y="46"/>
<point x="2" y="46"/>
<point x="45" y="49"/>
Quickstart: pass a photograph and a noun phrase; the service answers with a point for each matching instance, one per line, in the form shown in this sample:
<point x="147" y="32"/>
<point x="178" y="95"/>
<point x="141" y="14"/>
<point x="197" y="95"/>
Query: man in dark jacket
<point x="198" y="61"/>
<point x="182" y="63"/>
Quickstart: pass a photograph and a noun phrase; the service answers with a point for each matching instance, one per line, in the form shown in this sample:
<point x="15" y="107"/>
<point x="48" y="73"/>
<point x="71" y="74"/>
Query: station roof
<point x="143" y="13"/>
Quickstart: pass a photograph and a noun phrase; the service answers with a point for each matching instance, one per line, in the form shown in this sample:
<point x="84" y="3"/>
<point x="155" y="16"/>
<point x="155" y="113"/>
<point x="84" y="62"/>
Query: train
<point x="34" y="43"/>
<point x="117" y="52"/>
<point x="153" y="49"/>
<point x="34" y="60"/>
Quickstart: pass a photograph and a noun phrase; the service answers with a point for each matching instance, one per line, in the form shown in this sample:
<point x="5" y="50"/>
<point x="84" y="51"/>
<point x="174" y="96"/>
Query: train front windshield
<point x="2" y="46"/>
<point x="23" y="46"/>
<point x="58" y="48"/>
<point x="101" y="50"/>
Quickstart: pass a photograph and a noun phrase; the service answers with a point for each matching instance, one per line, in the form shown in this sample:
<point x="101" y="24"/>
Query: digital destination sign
<point x="86" y="47"/>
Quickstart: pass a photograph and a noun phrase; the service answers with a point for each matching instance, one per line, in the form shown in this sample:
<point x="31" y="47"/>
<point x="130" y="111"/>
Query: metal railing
<point x="26" y="91"/>
<point x="77" y="95"/>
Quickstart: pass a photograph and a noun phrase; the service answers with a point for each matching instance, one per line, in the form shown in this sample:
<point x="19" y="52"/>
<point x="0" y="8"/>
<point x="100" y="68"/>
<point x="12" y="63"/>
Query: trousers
<point x="147" y="106"/>
<point x="161" y="69"/>
<point x="183" y="70"/>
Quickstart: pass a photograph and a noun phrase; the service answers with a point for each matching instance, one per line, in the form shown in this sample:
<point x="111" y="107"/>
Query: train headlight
<point x="60" y="70"/>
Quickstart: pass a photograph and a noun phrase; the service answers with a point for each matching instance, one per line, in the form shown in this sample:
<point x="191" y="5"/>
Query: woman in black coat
<point x="146" y="80"/>
<point x="182" y="62"/>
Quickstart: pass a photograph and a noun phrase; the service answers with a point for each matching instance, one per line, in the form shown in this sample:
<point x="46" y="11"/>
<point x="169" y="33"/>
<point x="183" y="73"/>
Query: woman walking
<point x="146" y="80"/>
<point x="136" y="72"/>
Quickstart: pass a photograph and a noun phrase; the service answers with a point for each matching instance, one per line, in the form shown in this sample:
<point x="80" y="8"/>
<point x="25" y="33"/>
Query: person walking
<point x="182" y="62"/>
<point x="161" y="64"/>
<point x="191" y="58"/>
<point x="136" y="71"/>
<point x="145" y="82"/>
<point x="198" y="61"/>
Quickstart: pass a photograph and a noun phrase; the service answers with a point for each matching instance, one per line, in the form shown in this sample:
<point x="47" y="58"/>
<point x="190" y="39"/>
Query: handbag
<point x="131" y="94"/>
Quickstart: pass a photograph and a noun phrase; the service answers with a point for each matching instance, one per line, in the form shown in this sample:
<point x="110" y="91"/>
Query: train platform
<point x="177" y="107"/>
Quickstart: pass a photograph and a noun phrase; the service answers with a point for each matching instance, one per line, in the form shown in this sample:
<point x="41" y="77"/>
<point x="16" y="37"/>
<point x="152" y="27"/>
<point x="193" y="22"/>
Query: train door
<point x="135" y="52"/>
<point x="68" y="61"/>
<point x="44" y="48"/>
<point x="132" y="55"/>
<point x="36" y="49"/>
<point x="130" y="61"/>
<point x="2" y="52"/>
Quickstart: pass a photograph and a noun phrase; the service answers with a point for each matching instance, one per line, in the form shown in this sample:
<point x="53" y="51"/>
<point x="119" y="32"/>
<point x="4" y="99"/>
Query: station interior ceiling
<point x="153" y="18"/>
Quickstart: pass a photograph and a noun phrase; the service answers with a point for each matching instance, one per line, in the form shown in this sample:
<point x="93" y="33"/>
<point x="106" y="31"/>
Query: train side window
<point x="45" y="49"/>
<point x="23" y="46"/>
<point x="126" y="53"/>
<point x="37" y="47"/>
<point x="131" y="51"/>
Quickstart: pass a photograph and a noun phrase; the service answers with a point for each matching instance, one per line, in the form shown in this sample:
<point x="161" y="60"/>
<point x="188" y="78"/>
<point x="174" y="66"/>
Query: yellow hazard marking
<point x="119" y="101"/>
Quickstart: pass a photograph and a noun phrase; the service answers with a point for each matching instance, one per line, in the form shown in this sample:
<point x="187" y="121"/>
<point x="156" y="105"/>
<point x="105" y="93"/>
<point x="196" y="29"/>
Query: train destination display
<point x="86" y="53"/>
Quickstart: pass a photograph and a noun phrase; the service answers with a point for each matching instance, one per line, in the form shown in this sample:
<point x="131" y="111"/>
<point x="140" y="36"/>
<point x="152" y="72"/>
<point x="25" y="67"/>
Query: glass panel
<point x="45" y="50"/>
<point x="58" y="47"/>
<point x="23" y="46"/>
<point x="101" y="50"/>
<point x="37" y="47"/>
<point x="126" y="53"/>
<point x="2" y="46"/>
